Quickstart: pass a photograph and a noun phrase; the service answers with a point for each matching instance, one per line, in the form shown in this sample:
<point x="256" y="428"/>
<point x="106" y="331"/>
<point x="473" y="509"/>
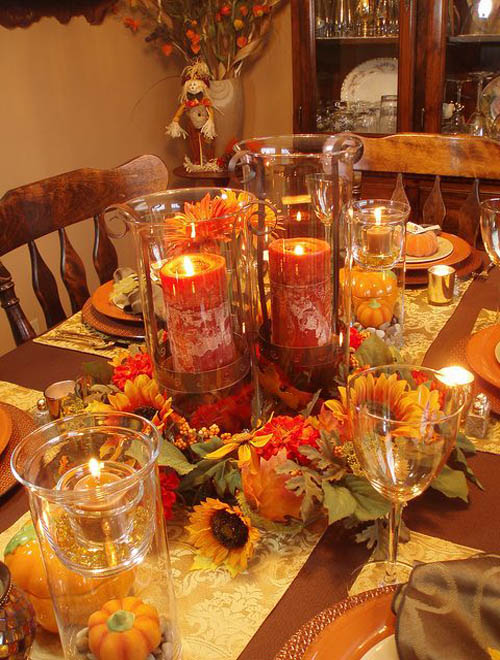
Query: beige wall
<point x="95" y="96"/>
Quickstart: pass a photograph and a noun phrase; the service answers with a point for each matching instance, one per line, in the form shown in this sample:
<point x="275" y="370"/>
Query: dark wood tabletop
<point x="324" y="578"/>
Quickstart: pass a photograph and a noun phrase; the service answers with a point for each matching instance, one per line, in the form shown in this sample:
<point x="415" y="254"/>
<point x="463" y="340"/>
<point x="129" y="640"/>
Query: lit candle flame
<point x="95" y="468"/>
<point x="299" y="216"/>
<point x="193" y="230"/>
<point x="299" y="250"/>
<point x="188" y="266"/>
<point x="455" y="376"/>
<point x="378" y="215"/>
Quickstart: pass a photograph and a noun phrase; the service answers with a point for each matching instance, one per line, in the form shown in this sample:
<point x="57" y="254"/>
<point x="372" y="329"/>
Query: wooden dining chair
<point x="29" y="212"/>
<point x="470" y="165"/>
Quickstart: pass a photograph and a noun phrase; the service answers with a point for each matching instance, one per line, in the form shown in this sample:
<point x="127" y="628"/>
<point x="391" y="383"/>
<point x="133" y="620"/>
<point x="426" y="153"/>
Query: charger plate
<point x="480" y="352"/>
<point x="109" y="326"/>
<point x="5" y="428"/>
<point x="346" y="631"/>
<point x="473" y="263"/>
<point x="21" y="424"/>
<point x="101" y="302"/>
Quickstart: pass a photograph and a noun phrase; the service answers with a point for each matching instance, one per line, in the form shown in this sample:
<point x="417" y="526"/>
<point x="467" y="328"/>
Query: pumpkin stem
<point x="120" y="621"/>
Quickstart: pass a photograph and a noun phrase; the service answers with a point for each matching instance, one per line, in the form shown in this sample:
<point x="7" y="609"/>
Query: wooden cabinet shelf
<point x="358" y="41"/>
<point x="475" y="39"/>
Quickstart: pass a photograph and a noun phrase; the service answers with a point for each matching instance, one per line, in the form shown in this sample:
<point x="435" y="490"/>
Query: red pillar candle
<point x="301" y="292"/>
<point x="198" y="316"/>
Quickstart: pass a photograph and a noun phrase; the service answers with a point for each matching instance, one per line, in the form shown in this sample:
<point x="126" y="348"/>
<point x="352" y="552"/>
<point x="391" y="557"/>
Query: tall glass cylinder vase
<point x="378" y="230"/>
<point x="191" y="257"/>
<point x="95" y="504"/>
<point x="297" y="247"/>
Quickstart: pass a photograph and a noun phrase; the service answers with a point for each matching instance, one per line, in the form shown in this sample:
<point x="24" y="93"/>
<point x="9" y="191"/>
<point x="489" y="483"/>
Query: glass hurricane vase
<point x="95" y="503"/>
<point x="404" y="425"/>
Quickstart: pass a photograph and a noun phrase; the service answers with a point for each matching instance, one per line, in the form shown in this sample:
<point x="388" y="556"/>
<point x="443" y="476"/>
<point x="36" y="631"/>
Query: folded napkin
<point x="421" y="229"/>
<point x="125" y="293"/>
<point x="450" y="611"/>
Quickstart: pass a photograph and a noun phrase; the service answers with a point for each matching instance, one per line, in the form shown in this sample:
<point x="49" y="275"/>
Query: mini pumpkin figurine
<point x="197" y="110"/>
<point x="124" y="629"/>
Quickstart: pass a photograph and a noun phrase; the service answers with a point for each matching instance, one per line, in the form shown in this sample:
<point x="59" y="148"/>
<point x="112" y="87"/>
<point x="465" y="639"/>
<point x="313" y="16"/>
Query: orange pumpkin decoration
<point x="421" y="245"/>
<point x="76" y="594"/>
<point x="24" y="560"/>
<point x="366" y="285"/>
<point x="124" y="629"/>
<point x="374" y="313"/>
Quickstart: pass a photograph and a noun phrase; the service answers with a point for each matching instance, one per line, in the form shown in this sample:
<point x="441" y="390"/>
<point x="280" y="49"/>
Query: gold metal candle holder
<point x="441" y="285"/>
<point x="463" y="379"/>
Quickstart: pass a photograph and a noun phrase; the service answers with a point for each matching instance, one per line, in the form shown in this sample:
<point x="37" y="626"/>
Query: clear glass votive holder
<point x="440" y="290"/>
<point x="463" y="380"/>
<point x="378" y="228"/>
<point x="95" y="503"/>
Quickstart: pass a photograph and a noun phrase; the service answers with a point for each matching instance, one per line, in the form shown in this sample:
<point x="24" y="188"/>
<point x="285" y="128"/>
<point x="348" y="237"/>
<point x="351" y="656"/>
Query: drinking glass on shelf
<point x="365" y="118"/>
<point x="478" y="124"/>
<point x="388" y="113"/>
<point x="393" y="25"/>
<point x="382" y="14"/>
<point x="342" y="117"/>
<point x="404" y="422"/>
<point x="364" y="18"/>
<point x="490" y="233"/>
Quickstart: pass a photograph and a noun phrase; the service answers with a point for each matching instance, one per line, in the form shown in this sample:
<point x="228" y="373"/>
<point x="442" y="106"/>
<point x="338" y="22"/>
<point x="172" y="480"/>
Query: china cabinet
<point x="441" y="59"/>
<point x="441" y="51"/>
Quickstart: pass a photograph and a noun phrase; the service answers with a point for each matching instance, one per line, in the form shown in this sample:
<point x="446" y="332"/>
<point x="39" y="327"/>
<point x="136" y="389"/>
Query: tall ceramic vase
<point x="228" y="100"/>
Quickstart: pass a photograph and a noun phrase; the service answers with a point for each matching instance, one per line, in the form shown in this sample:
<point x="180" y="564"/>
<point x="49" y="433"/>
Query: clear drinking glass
<point x="95" y="503"/>
<point x="388" y="113"/>
<point x="404" y="424"/>
<point x="478" y="124"/>
<point x="490" y="233"/>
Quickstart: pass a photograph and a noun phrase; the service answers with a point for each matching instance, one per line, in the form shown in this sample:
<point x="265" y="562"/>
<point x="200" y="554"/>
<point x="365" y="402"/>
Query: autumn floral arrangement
<point x="280" y="477"/>
<point x="222" y="33"/>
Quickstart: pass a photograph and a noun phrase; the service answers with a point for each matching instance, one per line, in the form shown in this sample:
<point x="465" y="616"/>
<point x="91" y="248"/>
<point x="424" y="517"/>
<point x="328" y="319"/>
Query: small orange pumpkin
<point x="76" y="594"/>
<point x="374" y="313"/>
<point x="365" y="285"/>
<point x="124" y="629"/>
<point x="421" y="245"/>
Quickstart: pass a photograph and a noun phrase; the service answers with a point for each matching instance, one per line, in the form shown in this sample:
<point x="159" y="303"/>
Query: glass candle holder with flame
<point x="95" y="503"/>
<point x="296" y="244"/>
<point x="192" y="265"/>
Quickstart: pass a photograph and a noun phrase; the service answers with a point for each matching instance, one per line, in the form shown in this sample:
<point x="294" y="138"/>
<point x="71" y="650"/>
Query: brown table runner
<point x="325" y="577"/>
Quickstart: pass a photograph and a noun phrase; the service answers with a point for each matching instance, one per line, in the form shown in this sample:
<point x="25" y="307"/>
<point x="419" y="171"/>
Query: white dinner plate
<point x="445" y="248"/>
<point x="370" y="80"/>
<point x="490" y="99"/>
<point x="384" y="650"/>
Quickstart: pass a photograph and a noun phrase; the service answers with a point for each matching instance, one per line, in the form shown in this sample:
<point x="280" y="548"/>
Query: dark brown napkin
<point x="450" y="611"/>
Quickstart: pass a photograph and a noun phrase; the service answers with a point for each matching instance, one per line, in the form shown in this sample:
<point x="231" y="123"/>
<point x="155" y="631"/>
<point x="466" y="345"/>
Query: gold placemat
<point x="423" y="322"/>
<point x="19" y="396"/>
<point x="419" y="549"/>
<point x="218" y="615"/>
<point x="75" y="324"/>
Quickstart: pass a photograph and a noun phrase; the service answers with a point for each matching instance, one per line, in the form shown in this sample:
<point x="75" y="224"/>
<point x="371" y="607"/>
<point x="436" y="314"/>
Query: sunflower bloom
<point x="222" y="534"/>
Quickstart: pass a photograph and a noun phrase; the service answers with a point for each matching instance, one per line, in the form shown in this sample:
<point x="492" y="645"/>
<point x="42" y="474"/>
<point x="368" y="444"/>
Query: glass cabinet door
<point x="361" y="58"/>
<point x="471" y="86"/>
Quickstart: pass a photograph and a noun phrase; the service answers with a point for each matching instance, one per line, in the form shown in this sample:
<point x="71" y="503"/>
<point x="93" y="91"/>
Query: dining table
<point x="327" y="573"/>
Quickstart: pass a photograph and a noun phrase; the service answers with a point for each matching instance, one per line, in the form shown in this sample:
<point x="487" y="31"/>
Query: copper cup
<point x="55" y="395"/>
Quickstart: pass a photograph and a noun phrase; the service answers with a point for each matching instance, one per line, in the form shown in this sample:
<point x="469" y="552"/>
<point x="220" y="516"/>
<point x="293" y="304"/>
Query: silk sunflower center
<point x="146" y="411"/>
<point x="229" y="529"/>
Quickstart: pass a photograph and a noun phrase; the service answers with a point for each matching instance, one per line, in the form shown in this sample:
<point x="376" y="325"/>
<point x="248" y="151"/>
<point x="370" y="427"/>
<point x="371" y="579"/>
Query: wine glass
<point x="404" y="422"/>
<point x="490" y="233"/>
<point x="478" y="123"/>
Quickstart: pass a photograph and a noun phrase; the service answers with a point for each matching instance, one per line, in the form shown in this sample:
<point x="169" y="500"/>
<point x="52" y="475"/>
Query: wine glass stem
<point x="394" y="525"/>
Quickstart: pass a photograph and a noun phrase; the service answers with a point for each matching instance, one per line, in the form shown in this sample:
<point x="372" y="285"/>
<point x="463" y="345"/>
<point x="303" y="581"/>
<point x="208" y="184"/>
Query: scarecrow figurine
<point x="197" y="109"/>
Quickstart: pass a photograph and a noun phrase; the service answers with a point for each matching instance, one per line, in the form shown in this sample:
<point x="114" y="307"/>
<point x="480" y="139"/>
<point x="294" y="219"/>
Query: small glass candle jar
<point x="378" y="233"/>
<point x="441" y="286"/>
<point x="96" y="507"/>
<point x="463" y="379"/>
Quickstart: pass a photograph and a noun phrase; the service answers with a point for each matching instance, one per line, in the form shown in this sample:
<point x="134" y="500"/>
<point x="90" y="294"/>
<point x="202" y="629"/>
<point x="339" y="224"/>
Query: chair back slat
<point x="104" y="253"/>
<point x="22" y="329"/>
<point x="469" y="215"/>
<point x="73" y="273"/>
<point x="37" y="209"/>
<point x="45" y="287"/>
<point x="399" y="193"/>
<point x="434" y="210"/>
<point x="424" y="153"/>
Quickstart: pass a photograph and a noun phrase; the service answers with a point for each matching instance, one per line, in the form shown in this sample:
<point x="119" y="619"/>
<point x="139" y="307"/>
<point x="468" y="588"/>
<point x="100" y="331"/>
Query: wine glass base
<point x="375" y="574"/>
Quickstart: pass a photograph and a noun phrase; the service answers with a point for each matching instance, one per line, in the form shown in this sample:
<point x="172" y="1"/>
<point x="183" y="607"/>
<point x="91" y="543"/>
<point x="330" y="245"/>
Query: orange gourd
<point x="373" y="284"/>
<point x="421" y="245"/>
<point x="76" y="594"/>
<point x="124" y="629"/>
<point x="374" y="313"/>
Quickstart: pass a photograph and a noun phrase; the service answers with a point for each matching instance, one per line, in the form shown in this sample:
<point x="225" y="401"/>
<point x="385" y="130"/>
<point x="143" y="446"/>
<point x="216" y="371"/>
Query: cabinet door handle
<point x="299" y="117"/>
